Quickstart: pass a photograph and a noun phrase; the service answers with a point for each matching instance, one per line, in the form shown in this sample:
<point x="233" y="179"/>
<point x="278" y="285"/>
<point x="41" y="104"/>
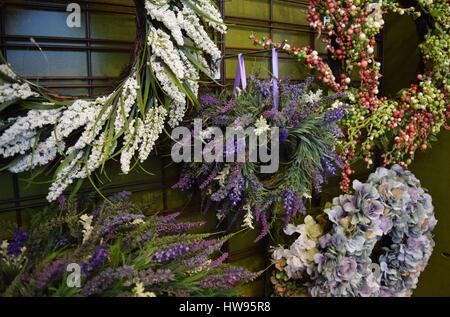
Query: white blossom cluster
<point x="6" y="69"/>
<point x="191" y="24"/>
<point x="128" y="100"/>
<point x="178" y="18"/>
<point x="300" y="255"/>
<point x="42" y="154"/>
<point x="178" y="107"/>
<point x="21" y="135"/>
<point x="14" y="91"/>
<point x="86" y="222"/>
<point x="65" y="177"/>
<point x="248" y="219"/>
<point x="153" y="127"/>
<point x="160" y="10"/>
<point x="162" y="46"/>
<point x="142" y="136"/>
<point x="375" y="17"/>
<point x="42" y="135"/>
<point x="74" y="117"/>
<point x="215" y="18"/>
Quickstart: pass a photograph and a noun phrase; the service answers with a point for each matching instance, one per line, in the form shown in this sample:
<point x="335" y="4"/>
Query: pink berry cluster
<point x="398" y="127"/>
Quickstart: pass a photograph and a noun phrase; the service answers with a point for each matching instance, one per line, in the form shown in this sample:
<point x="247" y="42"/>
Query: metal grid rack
<point x="86" y="44"/>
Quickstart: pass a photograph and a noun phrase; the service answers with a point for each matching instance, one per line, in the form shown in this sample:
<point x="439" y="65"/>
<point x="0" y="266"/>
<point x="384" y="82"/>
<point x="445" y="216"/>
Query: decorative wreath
<point x="391" y="210"/>
<point x="307" y="138"/>
<point x="172" y="49"/>
<point x="399" y="127"/>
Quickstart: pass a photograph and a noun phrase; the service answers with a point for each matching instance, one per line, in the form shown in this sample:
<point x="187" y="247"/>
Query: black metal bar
<point x="2" y="28"/>
<point x="64" y="48"/>
<point x="59" y="39"/>
<point x="62" y="6"/>
<point x="259" y="26"/>
<point x="249" y="53"/>
<point x="89" y="52"/>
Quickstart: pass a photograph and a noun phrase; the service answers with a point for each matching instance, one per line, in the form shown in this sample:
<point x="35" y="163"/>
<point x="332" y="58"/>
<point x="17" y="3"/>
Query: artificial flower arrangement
<point x="117" y="251"/>
<point x="399" y="127"/>
<point x="375" y="242"/>
<point x="172" y="49"/>
<point x="308" y="134"/>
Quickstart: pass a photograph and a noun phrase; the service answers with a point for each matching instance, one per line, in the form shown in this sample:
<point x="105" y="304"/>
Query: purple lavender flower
<point x="284" y="135"/>
<point x="209" y="179"/>
<point x="318" y="181"/>
<point x="61" y="201"/>
<point x="291" y="205"/>
<point x="207" y="248"/>
<point x="173" y="252"/>
<point x="335" y="114"/>
<point x="105" y="279"/>
<point x="158" y="277"/>
<point x="49" y="273"/>
<point x="228" y="279"/>
<point x="228" y="107"/>
<point x="237" y="193"/>
<point x="221" y="120"/>
<point x="110" y="226"/>
<point x="265" y="227"/>
<point x="119" y="197"/>
<point x="185" y="183"/>
<point x="217" y="262"/>
<point x="178" y="227"/>
<point x="263" y="86"/>
<point x="98" y="257"/>
<point x="328" y="166"/>
<point x="209" y="100"/>
<point x="168" y="218"/>
<point x="17" y="242"/>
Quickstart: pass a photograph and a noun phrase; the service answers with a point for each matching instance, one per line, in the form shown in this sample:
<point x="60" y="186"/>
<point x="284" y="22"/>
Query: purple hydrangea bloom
<point x="346" y="270"/>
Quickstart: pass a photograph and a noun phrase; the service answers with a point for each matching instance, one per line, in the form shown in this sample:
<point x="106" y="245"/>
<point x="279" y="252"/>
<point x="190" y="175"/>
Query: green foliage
<point x="118" y="251"/>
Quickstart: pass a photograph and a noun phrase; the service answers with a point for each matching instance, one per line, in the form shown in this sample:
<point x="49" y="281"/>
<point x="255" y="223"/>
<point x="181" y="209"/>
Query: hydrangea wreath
<point x="391" y="210"/>
<point x="172" y="49"/>
<point x="399" y="127"/>
<point x="308" y="134"/>
<point x="120" y="251"/>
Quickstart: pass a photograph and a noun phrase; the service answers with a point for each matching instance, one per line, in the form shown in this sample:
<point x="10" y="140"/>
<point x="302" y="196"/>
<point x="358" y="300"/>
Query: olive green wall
<point x="431" y="167"/>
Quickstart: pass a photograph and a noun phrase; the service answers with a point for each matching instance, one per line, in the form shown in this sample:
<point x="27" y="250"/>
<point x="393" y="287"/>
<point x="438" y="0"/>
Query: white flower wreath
<point x="87" y="133"/>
